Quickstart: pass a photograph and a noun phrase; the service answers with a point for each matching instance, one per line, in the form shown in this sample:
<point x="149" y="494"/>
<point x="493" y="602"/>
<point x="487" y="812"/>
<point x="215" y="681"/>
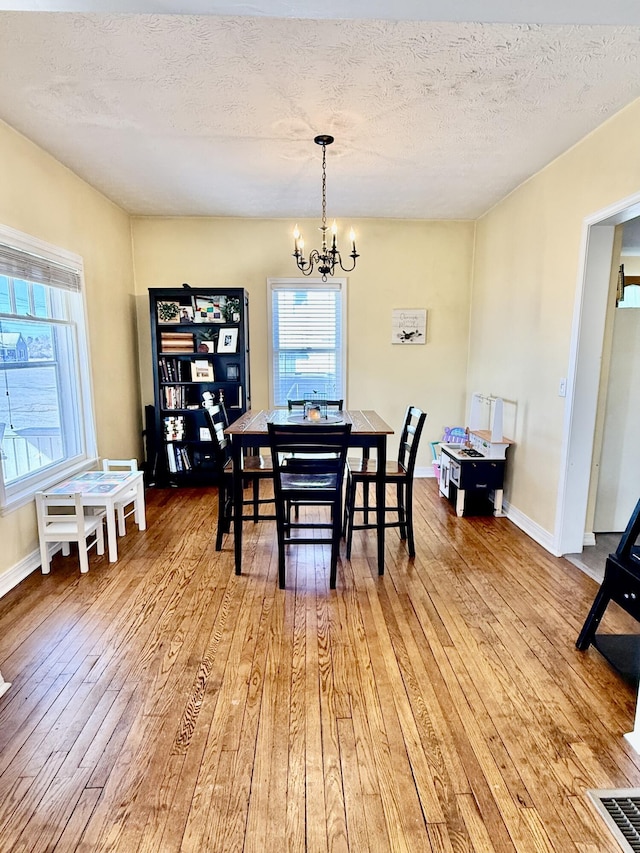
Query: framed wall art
<point x="409" y="326"/>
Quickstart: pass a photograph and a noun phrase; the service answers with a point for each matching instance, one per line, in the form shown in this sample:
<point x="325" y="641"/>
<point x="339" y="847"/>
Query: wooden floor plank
<point x="164" y="703"/>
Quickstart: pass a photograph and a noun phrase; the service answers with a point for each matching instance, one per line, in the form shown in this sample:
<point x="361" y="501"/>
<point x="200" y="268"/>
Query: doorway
<point x="586" y="353"/>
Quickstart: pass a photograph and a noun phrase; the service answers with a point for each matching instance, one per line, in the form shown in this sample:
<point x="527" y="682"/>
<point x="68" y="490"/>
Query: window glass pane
<point x="30" y="415"/>
<point x="5" y="298"/>
<point x="21" y="293"/>
<point x="40" y="302"/>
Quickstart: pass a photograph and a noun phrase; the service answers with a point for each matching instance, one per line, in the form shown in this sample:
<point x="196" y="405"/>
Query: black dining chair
<point x="255" y="469"/>
<point x="364" y="472"/>
<point x="308" y="468"/>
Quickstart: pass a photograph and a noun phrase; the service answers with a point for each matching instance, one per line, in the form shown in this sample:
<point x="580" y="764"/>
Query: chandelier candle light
<point x="327" y="258"/>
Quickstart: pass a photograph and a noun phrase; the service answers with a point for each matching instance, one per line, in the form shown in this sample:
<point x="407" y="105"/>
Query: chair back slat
<point x="330" y="404"/>
<point x="119" y="464"/>
<point x="410" y="438"/>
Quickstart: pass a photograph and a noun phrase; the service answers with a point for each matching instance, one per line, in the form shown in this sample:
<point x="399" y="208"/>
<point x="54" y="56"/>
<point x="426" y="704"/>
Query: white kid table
<point x="105" y="489"/>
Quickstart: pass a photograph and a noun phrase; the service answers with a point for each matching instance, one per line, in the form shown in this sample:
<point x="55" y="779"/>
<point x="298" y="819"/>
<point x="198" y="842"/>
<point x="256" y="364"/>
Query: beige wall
<point x="41" y="197"/>
<point x="404" y="264"/>
<point x="526" y="273"/>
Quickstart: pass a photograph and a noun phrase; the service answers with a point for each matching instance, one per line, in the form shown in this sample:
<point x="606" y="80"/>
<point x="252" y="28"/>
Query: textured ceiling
<point x="215" y="114"/>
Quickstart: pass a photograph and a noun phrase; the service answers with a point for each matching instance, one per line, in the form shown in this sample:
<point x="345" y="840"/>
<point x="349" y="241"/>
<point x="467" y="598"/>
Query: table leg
<point x="236" y="451"/>
<point x="4" y="685"/>
<point x="112" y="538"/>
<point x="497" y="502"/>
<point x="460" y="502"/>
<point x="380" y="499"/>
<point x="142" y="517"/>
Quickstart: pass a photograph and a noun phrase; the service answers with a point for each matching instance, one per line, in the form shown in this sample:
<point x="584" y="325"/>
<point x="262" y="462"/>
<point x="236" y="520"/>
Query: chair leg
<point x="335" y="545"/>
<point x="365" y="501"/>
<point x="409" y="514"/>
<point x="100" y="540"/>
<point x="281" y="559"/>
<point x="256" y="496"/>
<point x="345" y="513"/>
<point x="222" y="515"/>
<point x="402" y="515"/>
<point x="122" y="528"/>
<point x="66" y="549"/>
<point x="83" y="555"/>
<point x="596" y="613"/>
<point x="44" y="558"/>
<point x="349" y="505"/>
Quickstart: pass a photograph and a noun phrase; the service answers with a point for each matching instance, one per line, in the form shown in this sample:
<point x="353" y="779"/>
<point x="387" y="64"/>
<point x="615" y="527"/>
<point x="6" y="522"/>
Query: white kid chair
<point x="130" y="498"/>
<point x="67" y="524"/>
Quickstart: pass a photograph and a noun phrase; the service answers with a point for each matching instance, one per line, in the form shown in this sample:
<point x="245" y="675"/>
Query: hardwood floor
<point x="161" y="703"/>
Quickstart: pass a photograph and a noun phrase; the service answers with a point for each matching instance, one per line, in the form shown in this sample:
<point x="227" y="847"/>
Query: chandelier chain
<point x="324" y="189"/>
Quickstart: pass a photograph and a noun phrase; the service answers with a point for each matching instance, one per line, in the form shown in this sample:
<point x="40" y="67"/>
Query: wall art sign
<point x="409" y="326"/>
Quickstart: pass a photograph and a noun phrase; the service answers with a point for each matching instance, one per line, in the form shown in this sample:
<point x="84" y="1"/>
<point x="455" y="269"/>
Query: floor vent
<point x="621" y="812"/>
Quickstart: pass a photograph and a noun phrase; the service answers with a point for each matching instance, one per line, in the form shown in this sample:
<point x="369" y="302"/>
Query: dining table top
<point x="363" y="422"/>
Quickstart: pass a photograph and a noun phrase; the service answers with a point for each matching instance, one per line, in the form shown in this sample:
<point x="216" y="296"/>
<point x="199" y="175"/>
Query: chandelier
<point x="327" y="258"/>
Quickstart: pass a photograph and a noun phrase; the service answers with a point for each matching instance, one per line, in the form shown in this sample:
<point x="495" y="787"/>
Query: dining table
<point x="103" y="489"/>
<point x="368" y="430"/>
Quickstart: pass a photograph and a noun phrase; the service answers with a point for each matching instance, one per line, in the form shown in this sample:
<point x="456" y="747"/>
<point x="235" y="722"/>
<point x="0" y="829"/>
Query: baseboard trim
<point x="423" y="472"/>
<point x="13" y="576"/>
<point x="531" y="528"/>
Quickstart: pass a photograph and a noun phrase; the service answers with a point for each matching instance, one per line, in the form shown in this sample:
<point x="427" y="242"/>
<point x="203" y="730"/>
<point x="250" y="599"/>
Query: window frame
<point x="21" y="491"/>
<point x="339" y="284"/>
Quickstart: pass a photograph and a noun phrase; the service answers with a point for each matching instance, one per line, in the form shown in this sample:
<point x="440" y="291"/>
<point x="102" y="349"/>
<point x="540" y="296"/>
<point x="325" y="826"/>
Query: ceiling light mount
<point x="327" y="259"/>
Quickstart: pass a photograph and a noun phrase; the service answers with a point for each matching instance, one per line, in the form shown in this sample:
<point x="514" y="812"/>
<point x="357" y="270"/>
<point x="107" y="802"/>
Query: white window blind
<point x="307" y="340"/>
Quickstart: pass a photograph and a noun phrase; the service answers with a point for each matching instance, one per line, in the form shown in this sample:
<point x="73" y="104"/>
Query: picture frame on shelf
<point x="210" y="309"/>
<point x="207" y="346"/>
<point x="233" y="372"/>
<point x="168" y="311"/>
<point x="186" y="314"/>
<point x="201" y="371"/>
<point x="228" y="340"/>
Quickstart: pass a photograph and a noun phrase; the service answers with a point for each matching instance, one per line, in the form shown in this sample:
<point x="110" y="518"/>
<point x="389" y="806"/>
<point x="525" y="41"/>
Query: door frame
<point x="583" y="376"/>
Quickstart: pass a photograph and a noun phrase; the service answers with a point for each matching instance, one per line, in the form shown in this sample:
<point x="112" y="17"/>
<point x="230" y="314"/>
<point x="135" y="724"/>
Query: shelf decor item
<point x="228" y="340"/>
<point x="168" y="312"/>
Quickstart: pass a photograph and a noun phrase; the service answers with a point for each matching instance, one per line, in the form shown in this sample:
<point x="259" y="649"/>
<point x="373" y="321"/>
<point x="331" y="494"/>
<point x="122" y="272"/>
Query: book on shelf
<point x="174" y="428"/>
<point x="176" y="341"/>
<point x="175" y="397"/>
<point x="174" y="369"/>
<point x="178" y="459"/>
<point x="201" y="370"/>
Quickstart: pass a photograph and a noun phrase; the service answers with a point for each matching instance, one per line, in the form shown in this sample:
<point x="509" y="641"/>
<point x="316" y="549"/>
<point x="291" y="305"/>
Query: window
<point x="46" y="414"/>
<point x="307" y="339"/>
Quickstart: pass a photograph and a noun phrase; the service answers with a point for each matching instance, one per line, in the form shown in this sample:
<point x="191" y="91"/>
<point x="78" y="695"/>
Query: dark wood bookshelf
<point x="200" y="351"/>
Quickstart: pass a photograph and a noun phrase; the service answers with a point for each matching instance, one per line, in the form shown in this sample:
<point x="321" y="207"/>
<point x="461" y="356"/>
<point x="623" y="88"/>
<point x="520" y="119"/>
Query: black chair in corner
<point x="364" y="472"/>
<point x="308" y="467"/>
<point x="255" y="469"/>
